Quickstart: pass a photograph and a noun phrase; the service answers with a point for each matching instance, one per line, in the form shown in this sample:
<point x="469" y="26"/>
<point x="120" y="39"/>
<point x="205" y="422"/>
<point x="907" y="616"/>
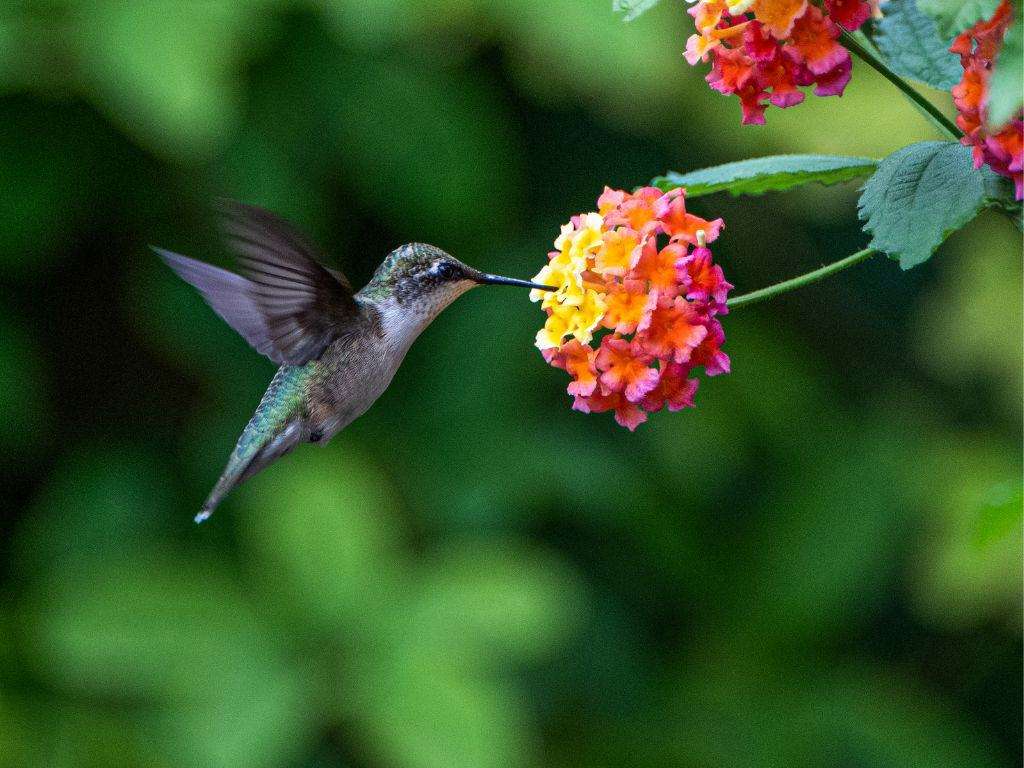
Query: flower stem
<point x="798" y="282"/>
<point x="859" y="44"/>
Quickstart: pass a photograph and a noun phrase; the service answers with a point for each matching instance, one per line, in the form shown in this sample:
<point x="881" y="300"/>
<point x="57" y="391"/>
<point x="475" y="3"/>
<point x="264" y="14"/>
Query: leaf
<point x="920" y="195"/>
<point x="774" y="173"/>
<point x="630" y="9"/>
<point x="1006" y="86"/>
<point x="910" y="42"/>
<point x="954" y="16"/>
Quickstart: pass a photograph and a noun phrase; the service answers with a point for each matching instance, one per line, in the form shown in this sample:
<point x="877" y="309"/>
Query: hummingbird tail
<point x="275" y="428"/>
<point x="254" y="452"/>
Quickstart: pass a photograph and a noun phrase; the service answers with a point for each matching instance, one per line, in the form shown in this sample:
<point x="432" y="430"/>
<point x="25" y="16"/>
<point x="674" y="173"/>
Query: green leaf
<point x="920" y="195"/>
<point x="774" y="173"/>
<point x="910" y="42"/>
<point x="630" y="9"/>
<point x="954" y="16"/>
<point x="1006" y="86"/>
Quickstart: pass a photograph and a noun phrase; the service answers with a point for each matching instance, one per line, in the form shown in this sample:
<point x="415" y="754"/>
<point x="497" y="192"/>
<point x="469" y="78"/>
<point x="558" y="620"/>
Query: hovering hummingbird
<point x="338" y="349"/>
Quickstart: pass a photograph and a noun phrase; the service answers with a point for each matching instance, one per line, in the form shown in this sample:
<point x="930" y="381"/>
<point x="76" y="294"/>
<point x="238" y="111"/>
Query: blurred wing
<point x="290" y="307"/>
<point x="302" y="303"/>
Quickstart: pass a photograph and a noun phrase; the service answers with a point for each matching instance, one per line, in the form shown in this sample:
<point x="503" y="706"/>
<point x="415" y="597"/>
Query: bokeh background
<point x="820" y="565"/>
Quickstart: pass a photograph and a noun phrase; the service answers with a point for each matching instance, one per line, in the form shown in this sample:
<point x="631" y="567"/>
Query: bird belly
<point x="347" y="390"/>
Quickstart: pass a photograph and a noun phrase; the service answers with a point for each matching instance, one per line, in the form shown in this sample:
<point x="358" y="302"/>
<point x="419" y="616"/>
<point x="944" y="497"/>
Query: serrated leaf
<point x="774" y="173"/>
<point x="920" y="195"/>
<point x="954" y="16"/>
<point x="630" y="9"/>
<point x="1006" y="86"/>
<point x="911" y="43"/>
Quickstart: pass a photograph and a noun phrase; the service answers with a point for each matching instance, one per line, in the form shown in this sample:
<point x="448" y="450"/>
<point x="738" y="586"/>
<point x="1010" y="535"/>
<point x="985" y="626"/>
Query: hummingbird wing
<point x="229" y="295"/>
<point x="290" y="306"/>
<point x="302" y="302"/>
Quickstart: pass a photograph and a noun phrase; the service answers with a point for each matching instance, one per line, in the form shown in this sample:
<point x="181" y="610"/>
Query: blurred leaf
<point x="1006" y="84"/>
<point x="494" y="602"/>
<point x="322" y="528"/>
<point x="143" y="626"/>
<point x="969" y="567"/>
<point x="554" y="46"/>
<point x="419" y="710"/>
<point x="151" y="628"/>
<point x="768" y="174"/>
<point x="630" y="9"/>
<point x="1000" y="513"/>
<point x="954" y="16"/>
<point x="163" y="69"/>
<point x="920" y="195"/>
<point x="911" y="44"/>
<point x="13" y="749"/>
<point x="260" y="719"/>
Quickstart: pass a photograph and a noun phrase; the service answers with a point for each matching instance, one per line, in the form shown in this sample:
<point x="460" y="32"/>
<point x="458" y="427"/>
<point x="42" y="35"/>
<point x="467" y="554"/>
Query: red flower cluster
<point x="978" y="46"/>
<point x="642" y="261"/>
<point x="765" y="50"/>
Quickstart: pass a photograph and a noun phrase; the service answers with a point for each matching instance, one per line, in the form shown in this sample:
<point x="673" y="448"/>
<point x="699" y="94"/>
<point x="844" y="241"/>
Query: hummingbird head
<point x="416" y="281"/>
<point x="424" y="275"/>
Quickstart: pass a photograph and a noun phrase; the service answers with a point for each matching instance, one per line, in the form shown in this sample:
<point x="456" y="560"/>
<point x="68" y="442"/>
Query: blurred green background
<point x="819" y="566"/>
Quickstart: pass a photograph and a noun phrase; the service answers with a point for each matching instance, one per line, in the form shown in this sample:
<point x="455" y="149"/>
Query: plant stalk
<point x="859" y="44"/>
<point x="798" y="282"/>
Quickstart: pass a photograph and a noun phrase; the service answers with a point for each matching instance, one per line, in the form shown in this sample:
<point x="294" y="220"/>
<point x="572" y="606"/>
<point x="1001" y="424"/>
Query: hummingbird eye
<point x="447" y="271"/>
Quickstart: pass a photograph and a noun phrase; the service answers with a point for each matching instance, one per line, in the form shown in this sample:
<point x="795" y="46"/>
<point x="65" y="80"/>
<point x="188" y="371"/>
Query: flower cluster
<point x="640" y="269"/>
<point x="765" y="50"/>
<point x="978" y="46"/>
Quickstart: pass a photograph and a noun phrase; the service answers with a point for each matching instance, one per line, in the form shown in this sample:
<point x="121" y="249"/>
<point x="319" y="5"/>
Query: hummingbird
<point x="337" y="348"/>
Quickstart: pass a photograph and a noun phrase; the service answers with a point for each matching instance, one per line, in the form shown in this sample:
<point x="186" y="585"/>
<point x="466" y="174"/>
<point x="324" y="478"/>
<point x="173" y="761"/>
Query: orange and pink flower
<point x="639" y="272"/>
<point x="764" y="51"/>
<point x="1001" y="149"/>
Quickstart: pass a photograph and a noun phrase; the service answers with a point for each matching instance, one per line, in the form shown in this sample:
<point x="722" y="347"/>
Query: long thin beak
<point x="499" y="280"/>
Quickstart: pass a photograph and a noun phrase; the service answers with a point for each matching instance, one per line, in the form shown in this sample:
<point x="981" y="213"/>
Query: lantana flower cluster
<point x="765" y="50"/>
<point x="978" y="47"/>
<point x="637" y="271"/>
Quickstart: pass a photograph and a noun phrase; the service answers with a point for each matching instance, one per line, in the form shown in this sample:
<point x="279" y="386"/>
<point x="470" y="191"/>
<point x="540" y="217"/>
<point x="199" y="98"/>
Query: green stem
<point x="858" y="43"/>
<point x="798" y="282"/>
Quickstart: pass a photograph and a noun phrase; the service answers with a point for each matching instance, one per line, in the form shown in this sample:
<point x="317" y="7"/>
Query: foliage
<point x="1006" y="96"/>
<point x="767" y="174"/>
<point x="920" y="195"/>
<point x="631" y="9"/>
<point x="954" y="16"/>
<point x="911" y="44"/>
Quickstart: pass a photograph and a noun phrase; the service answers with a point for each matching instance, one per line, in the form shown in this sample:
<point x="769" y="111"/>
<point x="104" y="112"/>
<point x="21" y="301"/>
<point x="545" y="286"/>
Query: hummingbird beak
<point x="499" y="280"/>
